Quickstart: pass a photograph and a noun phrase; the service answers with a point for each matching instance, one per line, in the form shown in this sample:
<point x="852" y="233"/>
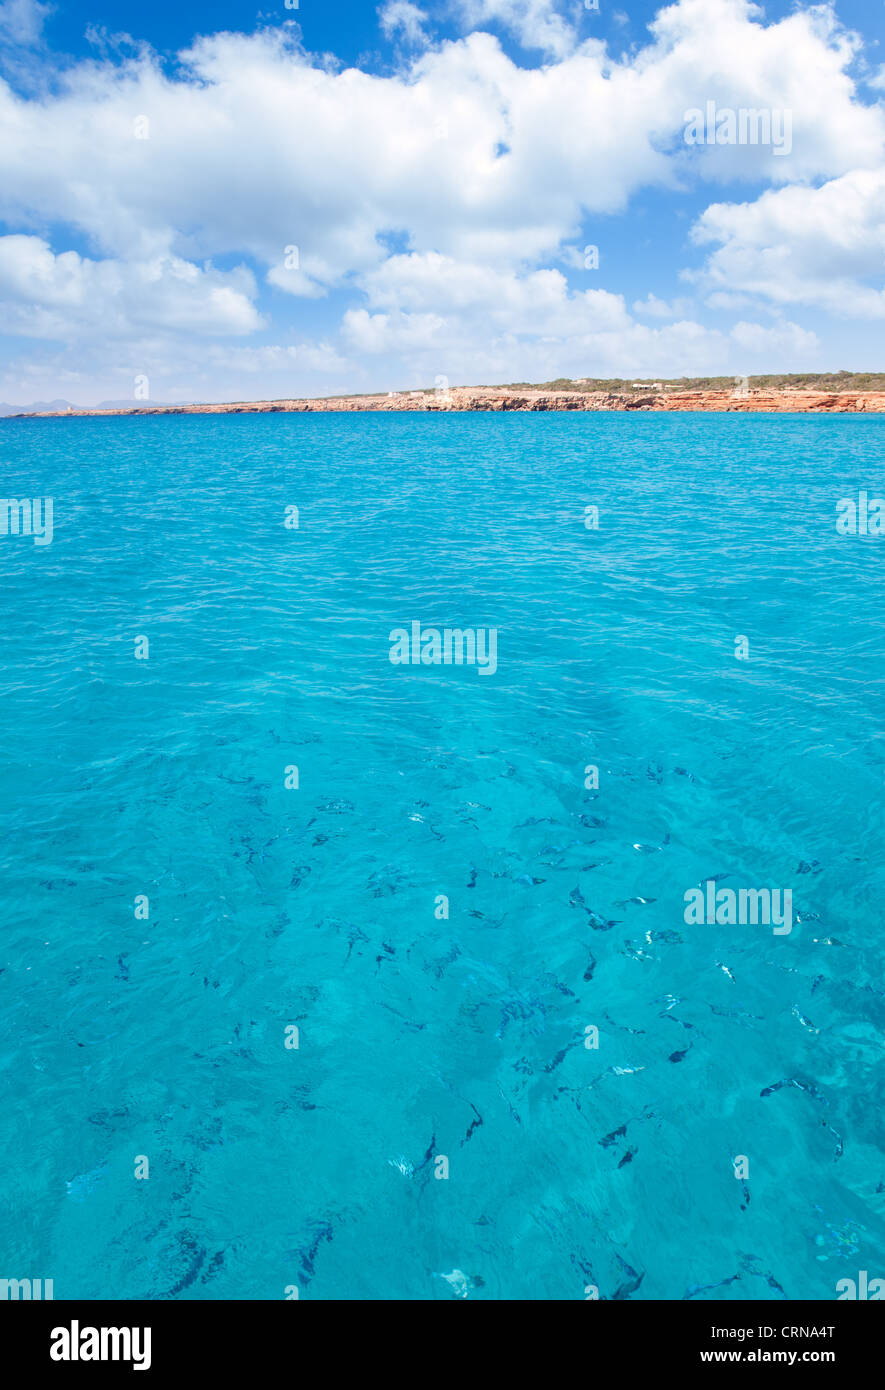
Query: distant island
<point x="834" y="391"/>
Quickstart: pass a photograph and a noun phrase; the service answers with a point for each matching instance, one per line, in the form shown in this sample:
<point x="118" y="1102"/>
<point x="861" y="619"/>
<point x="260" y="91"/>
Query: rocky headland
<point x="512" y="398"/>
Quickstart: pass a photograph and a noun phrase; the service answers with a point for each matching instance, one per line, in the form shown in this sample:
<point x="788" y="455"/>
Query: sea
<point x="326" y="974"/>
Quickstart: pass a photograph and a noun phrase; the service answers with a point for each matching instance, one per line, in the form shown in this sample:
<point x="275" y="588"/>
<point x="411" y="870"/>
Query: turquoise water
<point x="419" y="1036"/>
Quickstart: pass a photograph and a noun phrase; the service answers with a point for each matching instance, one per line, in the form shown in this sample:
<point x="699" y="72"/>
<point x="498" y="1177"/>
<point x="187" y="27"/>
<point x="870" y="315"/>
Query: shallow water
<point x="569" y="1167"/>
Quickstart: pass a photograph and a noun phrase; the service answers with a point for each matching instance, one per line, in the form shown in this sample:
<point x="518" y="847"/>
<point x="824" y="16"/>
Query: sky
<point x="232" y="201"/>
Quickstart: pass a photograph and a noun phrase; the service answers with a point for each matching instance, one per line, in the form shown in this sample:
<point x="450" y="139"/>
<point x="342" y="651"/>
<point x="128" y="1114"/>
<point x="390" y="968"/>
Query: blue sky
<point x="227" y="201"/>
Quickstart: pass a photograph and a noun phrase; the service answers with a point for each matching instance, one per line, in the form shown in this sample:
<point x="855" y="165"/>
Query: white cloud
<point x="294" y="281"/>
<point x="485" y="171"/>
<point x="402" y="17"/>
<point x="537" y="303"/>
<point x="21" y="21"/>
<point x="473" y="324"/>
<point x="537" y="24"/>
<point x="652" y="307"/>
<point x="176" y="371"/>
<point x="808" y="246"/>
<point x="470" y="323"/>
<point x="67" y="296"/>
<point x="274" y="358"/>
<point x="252" y="147"/>
<point x="786" y="339"/>
<point x="717" y="50"/>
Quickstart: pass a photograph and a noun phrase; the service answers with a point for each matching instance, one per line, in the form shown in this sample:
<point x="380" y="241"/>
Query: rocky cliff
<point x="506" y="398"/>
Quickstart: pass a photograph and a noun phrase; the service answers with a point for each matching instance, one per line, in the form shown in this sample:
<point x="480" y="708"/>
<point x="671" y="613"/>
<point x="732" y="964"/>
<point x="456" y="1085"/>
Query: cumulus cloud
<point x="21" y="21"/>
<point x="654" y="308"/>
<point x="472" y="324"/>
<point x="66" y="296"/>
<point x="811" y="246"/>
<point x="402" y="17"/>
<point x="478" y="170"/>
<point x="721" y="51"/>
<point x="535" y="303"/>
<point x="537" y="24"/>
<point x="783" y="340"/>
<point x="253" y="147"/>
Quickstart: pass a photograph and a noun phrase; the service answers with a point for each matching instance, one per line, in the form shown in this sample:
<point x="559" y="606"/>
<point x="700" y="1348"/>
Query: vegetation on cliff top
<point x="809" y="381"/>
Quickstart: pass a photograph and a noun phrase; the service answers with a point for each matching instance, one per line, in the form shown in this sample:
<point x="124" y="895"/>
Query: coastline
<point x="463" y="398"/>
